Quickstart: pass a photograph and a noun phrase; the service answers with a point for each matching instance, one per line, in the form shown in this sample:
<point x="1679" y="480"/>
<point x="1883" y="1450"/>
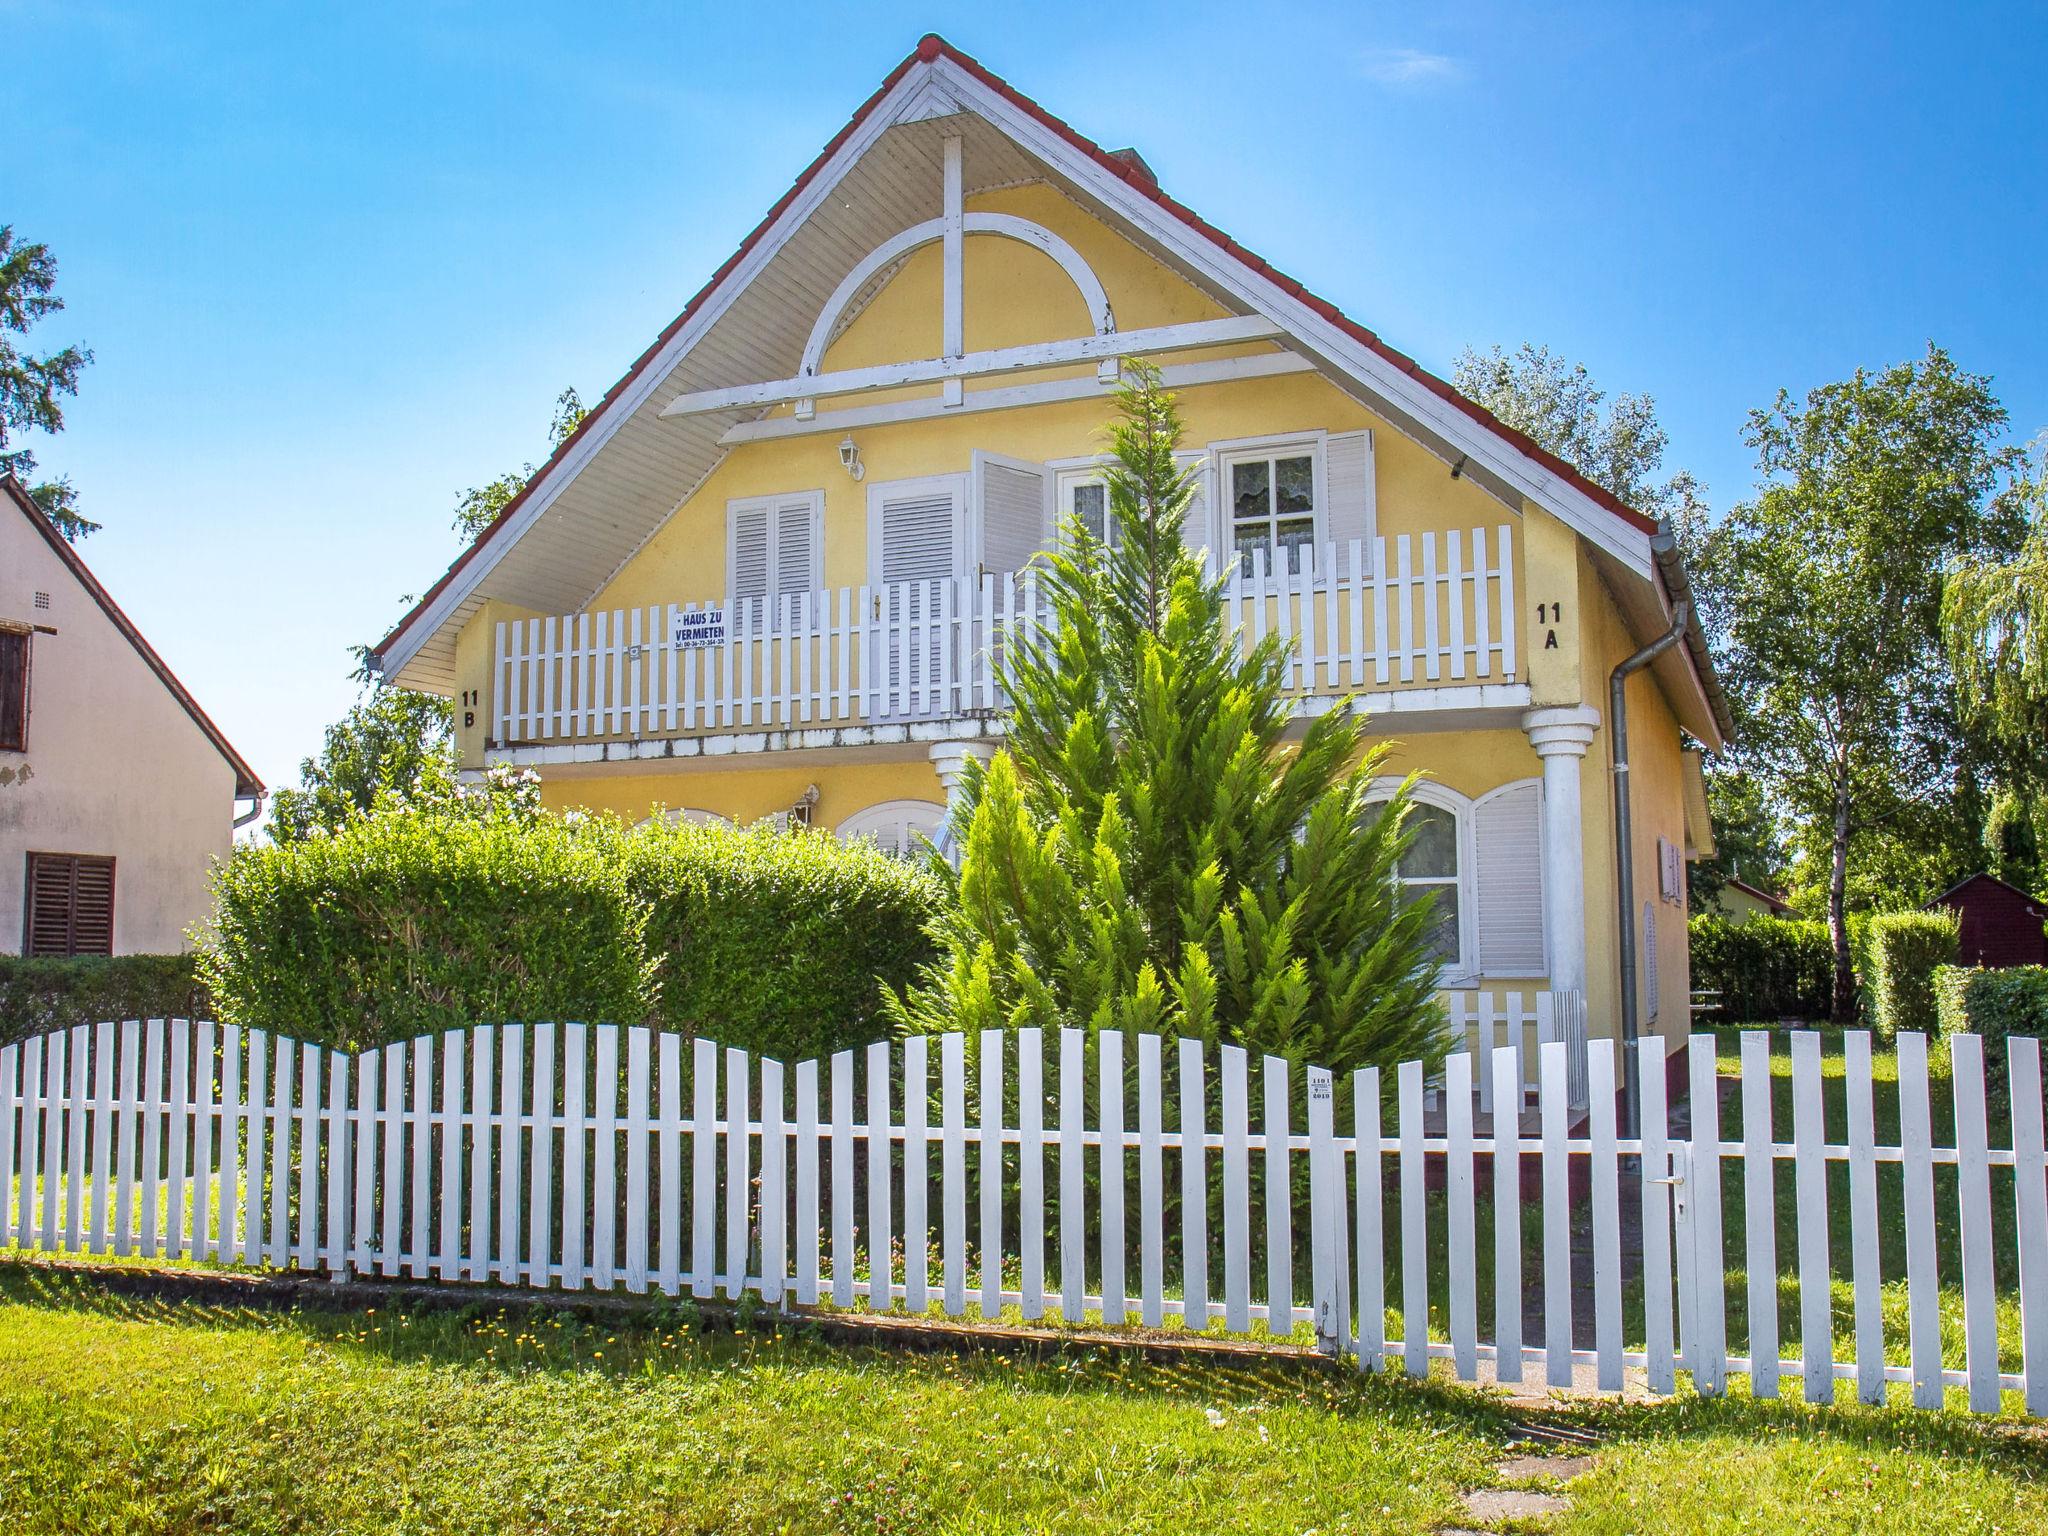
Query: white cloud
<point x="1411" y="68"/>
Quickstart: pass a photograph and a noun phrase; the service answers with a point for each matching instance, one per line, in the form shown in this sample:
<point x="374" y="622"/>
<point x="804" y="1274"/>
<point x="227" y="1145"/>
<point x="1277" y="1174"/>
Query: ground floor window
<point x="70" y="905"/>
<point x="897" y="827"/>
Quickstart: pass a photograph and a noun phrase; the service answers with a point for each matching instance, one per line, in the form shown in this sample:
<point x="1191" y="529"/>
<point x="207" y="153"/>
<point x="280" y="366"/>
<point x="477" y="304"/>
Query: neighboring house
<point x="116" y="791"/>
<point x="771" y="571"/>
<point x="1998" y="924"/>
<point x="1739" y="902"/>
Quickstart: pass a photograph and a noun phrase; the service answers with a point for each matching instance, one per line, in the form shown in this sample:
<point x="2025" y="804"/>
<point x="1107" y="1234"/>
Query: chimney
<point x="1137" y="163"/>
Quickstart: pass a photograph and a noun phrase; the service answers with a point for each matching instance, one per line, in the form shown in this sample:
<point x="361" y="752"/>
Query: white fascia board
<point x="623" y="407"/>
<point x="1344" y="352"/>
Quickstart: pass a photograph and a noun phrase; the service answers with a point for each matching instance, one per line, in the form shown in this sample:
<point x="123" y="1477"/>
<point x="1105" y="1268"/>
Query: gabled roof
<point x="809" y="241"/>
<point x="1984" y="876"/>
<point x="246" y="782"/>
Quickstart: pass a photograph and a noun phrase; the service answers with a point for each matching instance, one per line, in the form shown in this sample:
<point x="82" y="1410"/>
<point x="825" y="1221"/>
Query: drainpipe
<point x="255" y="810"/>
<point x="1624" y="860"/>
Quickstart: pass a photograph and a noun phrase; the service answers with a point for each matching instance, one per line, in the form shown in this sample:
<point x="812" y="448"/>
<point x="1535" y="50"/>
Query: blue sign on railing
<point x="697" y="628"/>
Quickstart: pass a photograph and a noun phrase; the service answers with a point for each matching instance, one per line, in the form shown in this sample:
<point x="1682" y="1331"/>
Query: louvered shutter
<point x="1348" y="477"/>
<point x="1508" y="856"/>
<point x="751" y="536"/>
<point x="1195" y="529"/>
<point x="917" y="536"/>
<point x="1011" y="495"/>
<point x="917" y="541"/>
<point x="1650" y="985"/>
<point x="14" y="690"/>
<point x="70" y="905"/>
<point x="796" y="546"/>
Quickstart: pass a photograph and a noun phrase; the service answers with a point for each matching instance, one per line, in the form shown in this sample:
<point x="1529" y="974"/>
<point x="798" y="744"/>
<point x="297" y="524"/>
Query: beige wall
<point x="114" y="766"/>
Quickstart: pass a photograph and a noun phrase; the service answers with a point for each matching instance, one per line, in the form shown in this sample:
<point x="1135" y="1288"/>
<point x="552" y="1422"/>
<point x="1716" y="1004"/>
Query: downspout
<point x="1624" y="861"/>
<point x="255" y="810"/>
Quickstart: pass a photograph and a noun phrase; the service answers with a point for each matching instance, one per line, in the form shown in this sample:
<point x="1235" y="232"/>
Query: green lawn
<point x="124" y="1415"/>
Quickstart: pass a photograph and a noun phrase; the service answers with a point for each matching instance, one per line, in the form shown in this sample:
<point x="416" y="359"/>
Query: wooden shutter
<point x="918" y="534"/>
<point x="750" y="540"/>
<point x="1013" y="497"/>
<point x="1507" y="834"/>
<point x="1196" y="531"/>
<point x="70" y="905"/>
<point x="796" y="546"/>
<point x="1650" y="985"/>
<point x="1348" y="476"/>
<point x="14" y="645"/>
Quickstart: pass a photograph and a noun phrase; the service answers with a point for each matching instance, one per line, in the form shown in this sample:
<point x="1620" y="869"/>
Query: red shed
<point x="2001" y="924"/>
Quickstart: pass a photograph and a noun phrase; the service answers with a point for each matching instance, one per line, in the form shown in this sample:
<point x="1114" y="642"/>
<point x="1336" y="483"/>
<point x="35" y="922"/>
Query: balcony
<point x="1426" y="611"/>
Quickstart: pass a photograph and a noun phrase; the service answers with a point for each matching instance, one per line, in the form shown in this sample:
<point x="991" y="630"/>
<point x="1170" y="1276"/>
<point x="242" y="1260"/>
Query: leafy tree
<point x="1619" y="445"/>
<point x="1748" y="841"/>
<point x="1828" y="628"/>
<point x="1994" y="615"/>
<point x="395" y="746"/>
<point x="480" y="505"/>
<point x="31" y="387"/>
<point x="1150" y="851"/>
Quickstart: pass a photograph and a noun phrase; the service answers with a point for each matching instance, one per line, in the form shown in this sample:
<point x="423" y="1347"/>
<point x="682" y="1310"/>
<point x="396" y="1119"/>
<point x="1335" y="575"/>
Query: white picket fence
<point x="1415" y="609"/>
<point x="599" y="1157"/>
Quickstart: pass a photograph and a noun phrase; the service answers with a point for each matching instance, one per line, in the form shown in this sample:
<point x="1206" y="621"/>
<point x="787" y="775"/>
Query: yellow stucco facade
<point x="1471" y="734"/>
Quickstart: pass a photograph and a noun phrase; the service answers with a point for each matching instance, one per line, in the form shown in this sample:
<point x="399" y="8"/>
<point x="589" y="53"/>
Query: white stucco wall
<point x="114" y="766"/>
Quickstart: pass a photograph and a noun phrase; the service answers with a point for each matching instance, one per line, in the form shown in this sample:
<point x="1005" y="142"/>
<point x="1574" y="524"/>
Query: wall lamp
<point x="849" y="458"/>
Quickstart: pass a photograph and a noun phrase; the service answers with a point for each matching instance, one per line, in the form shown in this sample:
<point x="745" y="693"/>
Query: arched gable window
<point x="897" y="826"/>
<point x="1483" y="860"/>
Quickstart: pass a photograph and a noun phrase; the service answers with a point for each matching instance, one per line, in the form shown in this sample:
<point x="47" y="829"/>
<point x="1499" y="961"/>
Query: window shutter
<point x="750" y="567"/>
<point x="1348" y="475"/>
<point x="14" y="690"/>
<point x="796" y="546"/>
<point x="1508" y="838"/>
<point x="1196" y="531"/>
<point x="1012" y="496"/>
<point x="70" y="905"/>
<point x="917" y="537"/>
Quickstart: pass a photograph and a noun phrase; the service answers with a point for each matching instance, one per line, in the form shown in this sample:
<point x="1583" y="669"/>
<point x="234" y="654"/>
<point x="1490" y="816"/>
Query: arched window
<point x="1483" y="861"/>
<point x="898" y="827"/>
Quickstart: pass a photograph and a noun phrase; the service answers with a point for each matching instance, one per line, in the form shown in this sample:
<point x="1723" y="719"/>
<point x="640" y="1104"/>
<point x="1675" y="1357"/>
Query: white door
<point x="916" y="550"/>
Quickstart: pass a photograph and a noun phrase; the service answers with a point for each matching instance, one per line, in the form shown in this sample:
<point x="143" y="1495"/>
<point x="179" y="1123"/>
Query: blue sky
<point x="336" y="262"/>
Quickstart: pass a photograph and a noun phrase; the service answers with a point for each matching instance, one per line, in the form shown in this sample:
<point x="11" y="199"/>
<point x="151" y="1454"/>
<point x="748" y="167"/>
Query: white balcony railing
<point x="933" y="650"/>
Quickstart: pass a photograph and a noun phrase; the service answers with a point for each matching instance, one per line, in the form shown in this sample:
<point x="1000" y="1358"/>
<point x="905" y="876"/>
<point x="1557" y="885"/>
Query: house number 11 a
<point x="1548" y="614"/>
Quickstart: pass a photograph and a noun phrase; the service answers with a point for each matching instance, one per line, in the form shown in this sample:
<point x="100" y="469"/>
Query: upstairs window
<point x="1274" y="501"/>
<point x="776" y="544"/>
<point x="14" y="645"/>
<point x="70" y="905"/>
<point x="1084" y="496"/>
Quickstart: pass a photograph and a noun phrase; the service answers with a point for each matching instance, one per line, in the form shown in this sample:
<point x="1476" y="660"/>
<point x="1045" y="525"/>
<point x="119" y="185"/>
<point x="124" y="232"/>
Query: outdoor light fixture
<point x="849" y="458"/>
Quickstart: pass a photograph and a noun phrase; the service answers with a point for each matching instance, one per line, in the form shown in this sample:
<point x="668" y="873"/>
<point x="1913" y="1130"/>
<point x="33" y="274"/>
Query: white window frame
<point x="888" y="813"/>
<point x="1093" y="469"/>
<point x="737" y="506"/>
<point x="1225" y="455"/>
<point x="954" y="485"/>
<point x="1465" y="971"/>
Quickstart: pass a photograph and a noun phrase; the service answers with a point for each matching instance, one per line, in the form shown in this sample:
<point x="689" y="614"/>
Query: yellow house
<point x="772" y="571"/>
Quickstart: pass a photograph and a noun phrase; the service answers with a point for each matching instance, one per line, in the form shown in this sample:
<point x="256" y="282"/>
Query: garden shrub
<point x="777" y="943"/>
<point x="1995" y="1004"/>
<point x="412" y="921"/>
<point x="1903" y="949"/>
<point x="1765" y="969"/>
<point x="48" y="993"/>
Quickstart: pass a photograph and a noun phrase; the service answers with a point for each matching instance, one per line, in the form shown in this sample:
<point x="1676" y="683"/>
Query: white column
<point x="950" y="759"/>
<point x="1561" y="737"/>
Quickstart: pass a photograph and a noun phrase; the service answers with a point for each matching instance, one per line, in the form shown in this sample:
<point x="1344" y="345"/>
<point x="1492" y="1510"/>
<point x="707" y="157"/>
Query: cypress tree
<point x="1162" y="845"/>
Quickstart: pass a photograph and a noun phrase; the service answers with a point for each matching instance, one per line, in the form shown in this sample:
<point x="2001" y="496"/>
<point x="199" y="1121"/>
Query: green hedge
<point x="1765" y="968"/>
<point x="1902" y="951"/>
<point x="1995" y="1004"/>
<point x="44" y="994"/>
<point x="410" y="922"/>
<point x="777" y="943"/>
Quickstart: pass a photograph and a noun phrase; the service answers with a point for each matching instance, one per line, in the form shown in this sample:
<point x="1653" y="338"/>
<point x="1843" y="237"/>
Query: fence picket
<point x="13" y="1099"/>
<point x="1237" y="1316"/>
<point x="177" y="1168"/>
<point x="363" y="1175"/>
<point x="1194" y="1188"/>
<point x="1606" y="1191"/>
<point x="419" y="1254"/>
<point x="451" y="1154"/>
<point x="989" y="1166"/>
<point x="27" y="1183"/>
<point x="1073" y="1173"/>
<point x="1973" y="1192"/>
<point x="881" y="1253"/>
<point x="1460" y="1225"/>
<point x="1110" y="1063"/>
<point x="807" y="1183"/>
<point x="392" y="1188"/>
<point x="917" y="1172"/>
<point x="1706" y="1343"/>
<point x="604" y="1160"/>
<point x="1414" y="1221"/>
<point x="1279" y="1202"/>
<point x="310" y="1137"/>
<point x="1372" y="1305"/>
<point x="1505" y="1063"/>
<point x="228" y="1195"/>
<point x="1651" y="1066"/>
<point x="575" y="1142"/>
<point x="102" y="1134"/>
<point x="1031" y="1170"/>
<point x="738" y="1173"/>
<point x="2030" y="1195"/>
<point x="842" y="1179"/>
<point x="704" y="1168"/>
<point x="1863" y="1262"/>
<point x="152" y="1138"/>
<point x="1151" y="1195"/>
<point x="774" y="1153"/>
<point x="1810" y="1182"/>
<point x="1923" y="1302"/>
<point x="482" y="1056"/>
<point x="340" y="1138"/>
<point x="953" y="1168"/>
<point x="281" y="1121"/>
<point x="1760" y="1213"/>
<point x="1554" y="1104"/>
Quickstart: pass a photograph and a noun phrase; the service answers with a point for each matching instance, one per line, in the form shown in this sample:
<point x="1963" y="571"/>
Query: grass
<point x="131" y="1415"/>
